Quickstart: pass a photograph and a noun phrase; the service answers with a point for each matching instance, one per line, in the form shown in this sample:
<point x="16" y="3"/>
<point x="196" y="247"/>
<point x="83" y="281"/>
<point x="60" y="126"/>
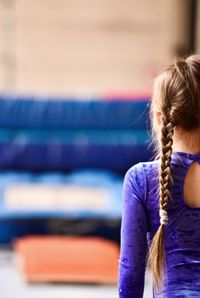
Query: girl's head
<point x="176" y="95"/>
<point x="175" y="108"/>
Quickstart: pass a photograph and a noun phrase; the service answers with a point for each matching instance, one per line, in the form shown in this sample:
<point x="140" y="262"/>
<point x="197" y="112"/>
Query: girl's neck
<point x="183" y="142"/>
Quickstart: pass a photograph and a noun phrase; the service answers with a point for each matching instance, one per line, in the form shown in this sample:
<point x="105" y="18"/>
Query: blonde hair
<point x="177" y="95"/>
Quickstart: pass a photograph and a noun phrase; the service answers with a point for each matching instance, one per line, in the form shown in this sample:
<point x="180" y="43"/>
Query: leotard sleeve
<point x="133" y="247"/>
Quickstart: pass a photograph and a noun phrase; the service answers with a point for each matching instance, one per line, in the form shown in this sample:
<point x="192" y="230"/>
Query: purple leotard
<point x="140" y="221"/>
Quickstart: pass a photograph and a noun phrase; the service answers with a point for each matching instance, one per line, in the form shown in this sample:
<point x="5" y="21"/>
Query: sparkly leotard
<point x="140" y="221"/>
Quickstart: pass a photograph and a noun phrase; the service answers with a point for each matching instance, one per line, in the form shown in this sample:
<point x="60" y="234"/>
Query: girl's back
<point x="182" y="233"/>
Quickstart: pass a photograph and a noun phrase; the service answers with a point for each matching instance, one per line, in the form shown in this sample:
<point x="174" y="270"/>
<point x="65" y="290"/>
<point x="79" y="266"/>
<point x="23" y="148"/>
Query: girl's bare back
<point x="192" y="186"/>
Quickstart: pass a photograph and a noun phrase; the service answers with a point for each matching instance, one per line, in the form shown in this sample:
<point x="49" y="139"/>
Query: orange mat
<point x="68" y="259"/>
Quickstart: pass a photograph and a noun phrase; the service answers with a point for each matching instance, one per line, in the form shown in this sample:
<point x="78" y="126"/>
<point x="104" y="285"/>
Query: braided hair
<point x="177" y="95"/>
<point x="156" y="259"/>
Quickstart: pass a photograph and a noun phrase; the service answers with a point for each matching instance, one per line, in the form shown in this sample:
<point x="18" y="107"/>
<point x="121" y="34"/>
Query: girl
<point x="161" y="198"/>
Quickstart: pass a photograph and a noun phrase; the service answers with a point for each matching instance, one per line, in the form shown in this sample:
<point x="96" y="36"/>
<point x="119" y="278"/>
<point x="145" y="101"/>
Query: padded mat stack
<point x="60" y="162"/>
<point x="68" y="259"/>
<point x="58" y="135"/>
<point x="82" y="202"/>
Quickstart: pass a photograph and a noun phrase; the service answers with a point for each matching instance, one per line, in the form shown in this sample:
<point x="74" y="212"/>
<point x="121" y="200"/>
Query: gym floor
<point x="13" y="285"/>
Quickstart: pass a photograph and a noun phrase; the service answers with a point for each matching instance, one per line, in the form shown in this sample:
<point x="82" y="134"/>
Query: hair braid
<point x="165" y="169"/>
<point x="156" y="254"/>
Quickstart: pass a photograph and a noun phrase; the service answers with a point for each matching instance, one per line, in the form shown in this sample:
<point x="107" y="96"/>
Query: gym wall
<point x="75" y="46"/>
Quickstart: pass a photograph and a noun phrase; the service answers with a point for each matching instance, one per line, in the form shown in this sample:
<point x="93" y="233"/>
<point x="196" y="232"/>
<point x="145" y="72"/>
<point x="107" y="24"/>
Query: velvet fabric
<point x="140" y="221"/>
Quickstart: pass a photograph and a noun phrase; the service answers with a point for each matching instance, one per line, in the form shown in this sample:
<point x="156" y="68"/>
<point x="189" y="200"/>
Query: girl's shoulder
<point x="142" y="169"/>
<point x="139" y="176"/>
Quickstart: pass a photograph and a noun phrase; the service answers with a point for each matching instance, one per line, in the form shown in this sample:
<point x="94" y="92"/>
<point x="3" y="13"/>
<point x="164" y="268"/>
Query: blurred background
<point x="75" y="85"/>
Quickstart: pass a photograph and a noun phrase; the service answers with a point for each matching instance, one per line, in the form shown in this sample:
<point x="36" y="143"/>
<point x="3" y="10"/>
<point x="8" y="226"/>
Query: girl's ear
<point x="158" y="118"/>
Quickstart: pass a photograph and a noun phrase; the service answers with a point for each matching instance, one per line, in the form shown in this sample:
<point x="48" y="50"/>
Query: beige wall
<point x="76" y="46"/>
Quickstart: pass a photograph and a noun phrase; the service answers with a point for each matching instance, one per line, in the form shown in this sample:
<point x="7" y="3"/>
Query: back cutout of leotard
<point x="191" y="188"/>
